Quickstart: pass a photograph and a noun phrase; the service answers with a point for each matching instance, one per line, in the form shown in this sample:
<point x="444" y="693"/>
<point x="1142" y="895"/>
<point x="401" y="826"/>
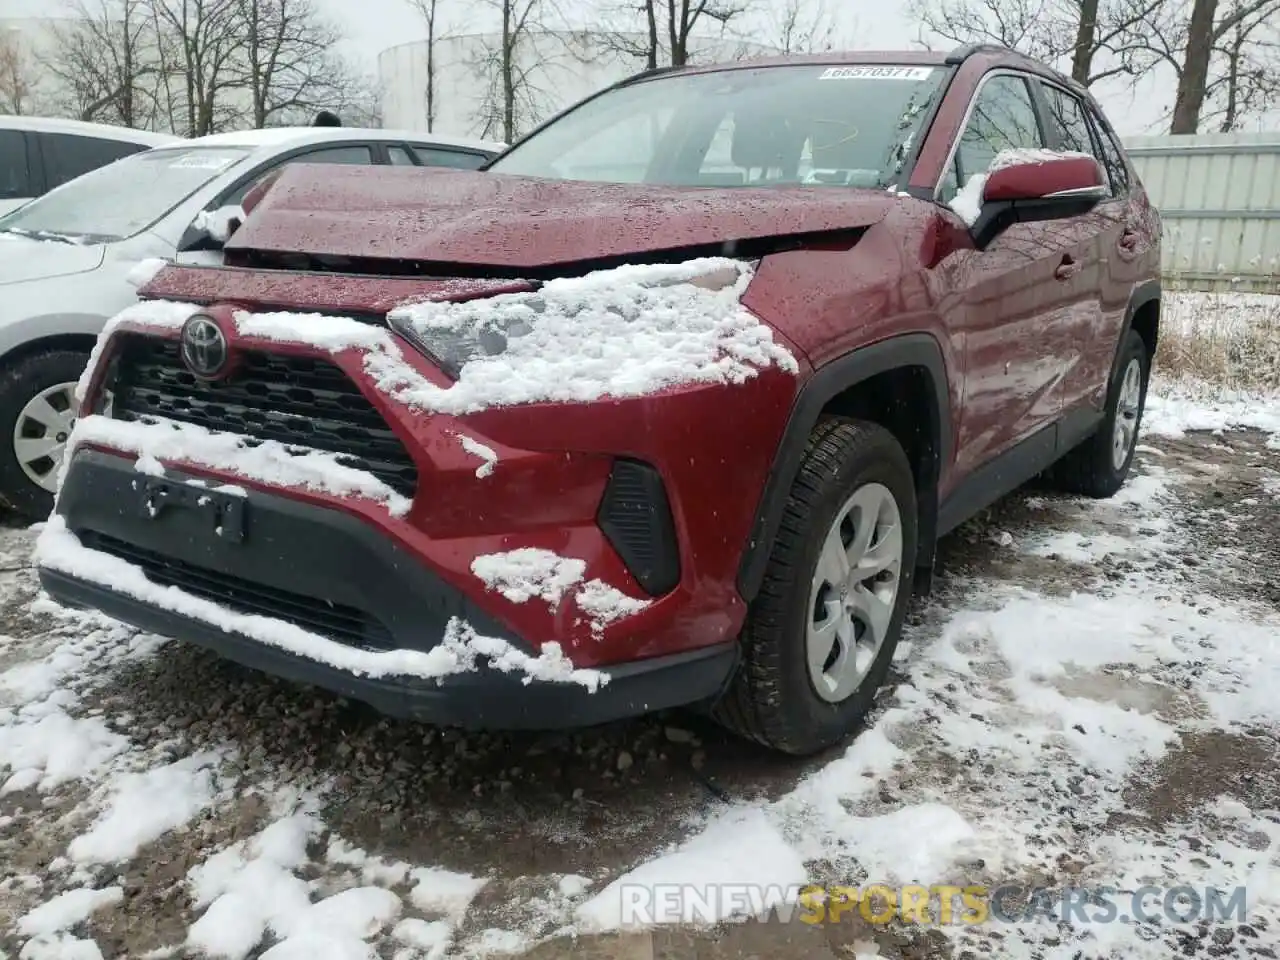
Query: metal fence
<point x="1219" y="196"/>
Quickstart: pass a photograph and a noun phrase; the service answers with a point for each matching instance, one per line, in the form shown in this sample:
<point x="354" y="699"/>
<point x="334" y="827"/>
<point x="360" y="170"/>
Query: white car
<point x="71" y="259"/>
<point x="38" y="154"/>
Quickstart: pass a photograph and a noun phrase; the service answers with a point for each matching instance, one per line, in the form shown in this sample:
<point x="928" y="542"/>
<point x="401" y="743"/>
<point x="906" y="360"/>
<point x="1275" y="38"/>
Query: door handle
<point x="1068" y="268"/>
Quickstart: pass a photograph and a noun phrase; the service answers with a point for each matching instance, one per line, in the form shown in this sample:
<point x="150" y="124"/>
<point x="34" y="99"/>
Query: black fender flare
<point x="830" y="380"/>
<point x="1143" y="293"/>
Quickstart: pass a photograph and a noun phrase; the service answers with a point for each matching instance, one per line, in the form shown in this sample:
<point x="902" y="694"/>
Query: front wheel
<point x="821" y="633"/>
<point x="37" y="412"/>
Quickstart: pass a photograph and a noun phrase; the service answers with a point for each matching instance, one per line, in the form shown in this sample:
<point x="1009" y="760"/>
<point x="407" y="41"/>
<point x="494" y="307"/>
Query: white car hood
<point x="23" y="259"/>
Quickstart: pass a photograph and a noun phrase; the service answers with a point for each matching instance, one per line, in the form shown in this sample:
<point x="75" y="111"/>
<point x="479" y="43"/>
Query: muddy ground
<point x="595" y="803"/>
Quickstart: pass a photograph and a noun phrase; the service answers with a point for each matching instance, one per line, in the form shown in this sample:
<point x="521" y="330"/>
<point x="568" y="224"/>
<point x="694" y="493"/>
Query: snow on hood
<point x="23" y="258"/>
<point x="523" y="223"/>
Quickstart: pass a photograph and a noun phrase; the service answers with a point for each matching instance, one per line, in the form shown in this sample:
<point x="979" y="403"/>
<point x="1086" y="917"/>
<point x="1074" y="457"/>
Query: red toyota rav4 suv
<point x="669" y="406"/>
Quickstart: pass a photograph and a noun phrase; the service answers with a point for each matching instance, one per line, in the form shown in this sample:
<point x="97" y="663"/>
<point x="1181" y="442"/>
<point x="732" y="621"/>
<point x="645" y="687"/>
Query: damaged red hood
<point x="518" y="223"/>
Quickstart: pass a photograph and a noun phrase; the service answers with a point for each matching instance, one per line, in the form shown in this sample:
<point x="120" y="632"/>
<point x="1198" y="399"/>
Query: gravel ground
<point x="163" y="756"/>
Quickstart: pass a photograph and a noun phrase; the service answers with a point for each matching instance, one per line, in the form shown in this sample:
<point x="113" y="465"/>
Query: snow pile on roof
<point x="604" y="603"/>
<point x="520" y="575"/>
<point x="57" y="548"/>
<point x="267" y="461"/>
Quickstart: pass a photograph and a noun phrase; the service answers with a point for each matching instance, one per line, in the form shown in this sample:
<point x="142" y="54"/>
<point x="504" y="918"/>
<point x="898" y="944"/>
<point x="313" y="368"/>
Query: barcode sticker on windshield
<point x="867" y="72"/>
<point x="194" y="161"/>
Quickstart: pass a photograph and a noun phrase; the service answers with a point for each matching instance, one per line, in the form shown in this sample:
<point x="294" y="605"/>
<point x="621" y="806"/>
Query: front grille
<point x="347" y="625"/>
<point x="300" y="401"/>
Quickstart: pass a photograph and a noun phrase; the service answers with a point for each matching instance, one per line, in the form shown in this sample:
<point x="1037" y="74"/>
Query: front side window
<point x="1067" y="121"/>
<point x="844" y="126"/>
<point x="1003" y="118"/>
<point x="123" y="198"/>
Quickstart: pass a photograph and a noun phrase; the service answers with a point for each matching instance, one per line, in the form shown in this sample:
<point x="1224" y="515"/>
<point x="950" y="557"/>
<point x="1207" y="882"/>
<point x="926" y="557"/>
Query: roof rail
<point x="647" y="74"/>
<point x="963" y="52"/>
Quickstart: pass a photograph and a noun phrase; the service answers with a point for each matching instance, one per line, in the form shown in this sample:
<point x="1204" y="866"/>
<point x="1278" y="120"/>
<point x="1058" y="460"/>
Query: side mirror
<point x="1024" y="186"/>
<point x="211" y="229"/>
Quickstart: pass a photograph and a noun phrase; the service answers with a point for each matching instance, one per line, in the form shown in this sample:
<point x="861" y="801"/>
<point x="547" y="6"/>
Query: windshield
<point x="842" y="126"/>
<point x="122" y="198"/>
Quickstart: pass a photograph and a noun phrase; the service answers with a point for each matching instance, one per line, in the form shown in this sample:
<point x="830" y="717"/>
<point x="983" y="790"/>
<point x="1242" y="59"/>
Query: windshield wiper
<point x="41" y="235"/>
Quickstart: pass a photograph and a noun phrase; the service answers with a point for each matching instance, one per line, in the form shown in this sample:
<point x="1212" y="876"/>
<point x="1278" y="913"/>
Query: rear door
<point x="1094" y="300"/>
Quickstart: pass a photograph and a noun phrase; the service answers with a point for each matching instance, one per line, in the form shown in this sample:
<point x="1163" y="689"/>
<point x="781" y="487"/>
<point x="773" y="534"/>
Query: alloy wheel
<point x="855" y="587"/>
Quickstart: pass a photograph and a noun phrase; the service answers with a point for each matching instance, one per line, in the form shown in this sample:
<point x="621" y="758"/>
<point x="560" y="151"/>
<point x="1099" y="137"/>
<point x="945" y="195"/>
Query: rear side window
<point x="1003" y="118"/>
<point x="458" y="159"/>
<point x="1067" y="121"/>
<point x="400" y="157"/>
<point x="67" y="156"/>
<point x="354" y="154"/>
<point x="15" y="176"/>
<point x="1112" y="156"/>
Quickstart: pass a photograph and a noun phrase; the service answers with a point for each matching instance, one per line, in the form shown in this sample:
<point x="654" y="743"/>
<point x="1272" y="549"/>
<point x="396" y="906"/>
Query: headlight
<point x="455" y="333"/>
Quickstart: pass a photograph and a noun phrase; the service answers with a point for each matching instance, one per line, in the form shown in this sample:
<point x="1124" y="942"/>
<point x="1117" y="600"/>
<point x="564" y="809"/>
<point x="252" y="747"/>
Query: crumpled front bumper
<point x="327" y="572"/>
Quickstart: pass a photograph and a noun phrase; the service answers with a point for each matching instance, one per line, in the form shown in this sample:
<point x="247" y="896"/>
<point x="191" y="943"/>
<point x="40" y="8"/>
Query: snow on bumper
<point x="459" y="649"/>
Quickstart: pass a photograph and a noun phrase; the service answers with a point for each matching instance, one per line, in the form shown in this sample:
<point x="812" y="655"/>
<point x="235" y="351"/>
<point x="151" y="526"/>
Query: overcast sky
<point x="374" y="25"/>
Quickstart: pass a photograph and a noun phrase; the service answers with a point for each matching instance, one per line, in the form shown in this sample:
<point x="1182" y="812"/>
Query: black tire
<point x="20" y="381"/>
<point x="772" y="699"/>
<point x="1090" y="468"/>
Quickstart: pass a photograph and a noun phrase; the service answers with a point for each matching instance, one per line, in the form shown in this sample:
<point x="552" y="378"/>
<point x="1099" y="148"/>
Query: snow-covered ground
<point x="1088" y="699"/>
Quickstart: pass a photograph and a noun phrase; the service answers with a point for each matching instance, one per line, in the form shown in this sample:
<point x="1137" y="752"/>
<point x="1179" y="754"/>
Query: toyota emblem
<point x="204" y="347"/>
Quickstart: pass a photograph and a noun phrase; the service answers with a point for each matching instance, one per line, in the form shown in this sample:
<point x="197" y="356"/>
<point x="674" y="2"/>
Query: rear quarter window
<point x="457" y="159"/>
<point x="67" y="156"/>
<point x="15" y="174"/>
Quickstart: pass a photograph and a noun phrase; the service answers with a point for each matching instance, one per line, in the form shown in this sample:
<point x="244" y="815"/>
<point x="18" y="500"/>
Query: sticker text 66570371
<point x="868" y="72"/>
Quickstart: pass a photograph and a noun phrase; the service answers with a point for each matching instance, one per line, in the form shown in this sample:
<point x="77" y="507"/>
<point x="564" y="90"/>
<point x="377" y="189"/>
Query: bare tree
<point x="17" y="85"/>
<point x="201" y="44"/>
<point x="286" y="64"/>
<point x="433" y="14"/>
<point x="803" y="26"/>
<point x="1249" y="83"/>
<point x="1090" y="39"/>
<point x="660" y="32"/>
<point x="1224" y="60"/>
<point x="505" y="63"/>
<point x="105" y="57"/>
